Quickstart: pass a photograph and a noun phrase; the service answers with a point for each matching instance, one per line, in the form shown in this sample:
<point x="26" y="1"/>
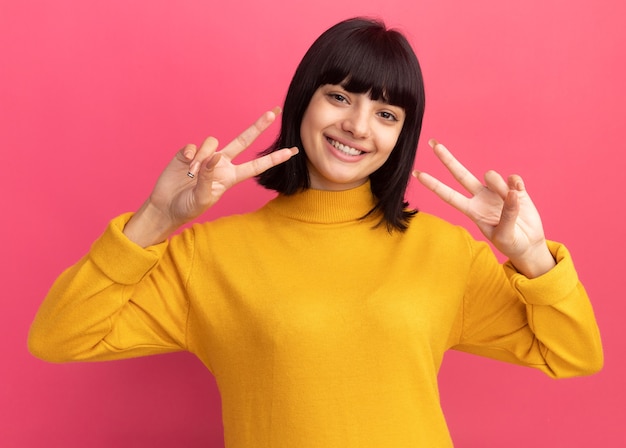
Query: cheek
<point x="389" y="141"/>
<point x="311" y="116"/>
<point x="310" y="129"/>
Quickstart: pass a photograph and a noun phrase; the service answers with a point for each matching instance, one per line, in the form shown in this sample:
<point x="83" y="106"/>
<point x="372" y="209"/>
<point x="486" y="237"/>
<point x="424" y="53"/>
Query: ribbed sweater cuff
<point x="120" y="259"/>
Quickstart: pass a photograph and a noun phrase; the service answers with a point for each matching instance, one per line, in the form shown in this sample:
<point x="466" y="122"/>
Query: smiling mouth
<point x="348" y="150"/>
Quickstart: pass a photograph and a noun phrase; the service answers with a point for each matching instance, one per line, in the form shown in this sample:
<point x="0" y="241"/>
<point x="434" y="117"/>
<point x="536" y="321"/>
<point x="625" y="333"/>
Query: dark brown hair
<point x="363" y="56"/>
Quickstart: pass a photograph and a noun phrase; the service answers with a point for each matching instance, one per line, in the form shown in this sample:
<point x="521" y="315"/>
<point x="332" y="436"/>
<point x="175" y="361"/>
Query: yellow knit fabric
<point x="321" y="330"/>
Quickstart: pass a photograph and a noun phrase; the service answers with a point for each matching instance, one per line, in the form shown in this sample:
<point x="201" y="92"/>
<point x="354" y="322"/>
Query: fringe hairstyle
<point x="362" y="56"/>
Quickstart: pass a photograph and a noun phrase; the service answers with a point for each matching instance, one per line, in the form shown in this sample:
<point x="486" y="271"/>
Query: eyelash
<point x="385" y="115"/>
<point x="338" y="97"/>
<point x="388" y="116"/>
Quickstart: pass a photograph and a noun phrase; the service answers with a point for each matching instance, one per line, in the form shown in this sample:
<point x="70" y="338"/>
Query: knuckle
<point x="243" y="140"/>
<point x="261" y="165"/>
<point x="188" y="151"/>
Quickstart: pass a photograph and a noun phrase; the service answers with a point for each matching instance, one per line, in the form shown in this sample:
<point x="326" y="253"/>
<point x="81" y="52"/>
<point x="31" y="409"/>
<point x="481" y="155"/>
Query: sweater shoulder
<point x="442" y="235"/>
<point x="228" y="227"/>
<point x="425" y="222"/>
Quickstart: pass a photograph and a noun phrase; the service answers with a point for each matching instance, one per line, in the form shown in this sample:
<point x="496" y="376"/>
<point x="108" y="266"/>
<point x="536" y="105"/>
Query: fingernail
<point x="432" y="142"/>
<point x="193" y="169"/>
<point x="277" y="110"/>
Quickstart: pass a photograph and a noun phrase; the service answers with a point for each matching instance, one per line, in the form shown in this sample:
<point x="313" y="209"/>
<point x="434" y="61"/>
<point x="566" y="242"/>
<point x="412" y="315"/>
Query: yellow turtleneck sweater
<point x="321" y="330"/>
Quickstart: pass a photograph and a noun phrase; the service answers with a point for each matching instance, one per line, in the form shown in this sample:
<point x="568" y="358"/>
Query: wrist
<point x="534" y="262"/>
<point x="149" y="226"/>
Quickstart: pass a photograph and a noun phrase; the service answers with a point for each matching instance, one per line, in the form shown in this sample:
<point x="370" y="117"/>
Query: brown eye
<point x="338" y="97"/>
<point x="388" y="116"/>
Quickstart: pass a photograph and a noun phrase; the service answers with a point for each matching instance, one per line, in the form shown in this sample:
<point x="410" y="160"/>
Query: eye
<point x="385" y="115"/>
<point x="338" y="97"/>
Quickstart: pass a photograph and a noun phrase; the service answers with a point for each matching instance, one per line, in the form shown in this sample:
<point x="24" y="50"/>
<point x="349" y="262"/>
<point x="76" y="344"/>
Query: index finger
<point x="245" y="139"/>
<point x="257" y="166"/>
<point x="446" y="193"/>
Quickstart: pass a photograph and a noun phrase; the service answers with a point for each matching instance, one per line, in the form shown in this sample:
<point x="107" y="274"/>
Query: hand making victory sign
<point x="195" y="179"/>
<point x="502" y="210"/>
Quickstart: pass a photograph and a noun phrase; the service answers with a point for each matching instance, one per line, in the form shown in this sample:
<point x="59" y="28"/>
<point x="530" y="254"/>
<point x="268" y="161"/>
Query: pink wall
<point x="96" y="96"/>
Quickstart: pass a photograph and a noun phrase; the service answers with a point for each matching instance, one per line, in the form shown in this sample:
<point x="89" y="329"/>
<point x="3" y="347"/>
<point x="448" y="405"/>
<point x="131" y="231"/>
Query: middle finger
<point x="460" y="173"/>
<point x="245" y="139"/>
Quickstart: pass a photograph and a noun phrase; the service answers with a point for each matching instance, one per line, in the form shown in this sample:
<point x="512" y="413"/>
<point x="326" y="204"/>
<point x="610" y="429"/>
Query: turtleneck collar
<point x="325" y="207"/>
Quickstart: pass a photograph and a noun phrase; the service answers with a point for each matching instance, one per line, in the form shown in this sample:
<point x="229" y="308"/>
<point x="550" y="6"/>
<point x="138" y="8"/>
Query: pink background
<point x="96" y="96"/>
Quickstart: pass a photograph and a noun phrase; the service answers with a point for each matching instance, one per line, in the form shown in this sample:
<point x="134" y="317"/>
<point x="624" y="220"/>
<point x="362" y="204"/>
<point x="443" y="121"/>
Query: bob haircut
<point x="362" y="56"/>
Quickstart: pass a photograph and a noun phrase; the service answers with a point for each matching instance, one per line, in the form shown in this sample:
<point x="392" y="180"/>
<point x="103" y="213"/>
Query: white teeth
<point x="345" y="149"/>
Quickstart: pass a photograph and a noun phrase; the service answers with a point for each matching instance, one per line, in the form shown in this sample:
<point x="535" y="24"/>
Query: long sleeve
<point x="109" y="305"/>
<point x="546" y="322"/>
<point x="320" y="328"/>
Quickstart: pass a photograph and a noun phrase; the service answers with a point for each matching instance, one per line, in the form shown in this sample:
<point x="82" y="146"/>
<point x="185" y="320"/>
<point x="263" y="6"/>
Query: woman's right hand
<point x="196" y="179"/>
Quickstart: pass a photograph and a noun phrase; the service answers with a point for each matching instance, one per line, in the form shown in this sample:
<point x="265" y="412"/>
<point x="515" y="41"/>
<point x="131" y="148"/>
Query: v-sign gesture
<point x="502" y="210"/>
<point x="195" y="179"/>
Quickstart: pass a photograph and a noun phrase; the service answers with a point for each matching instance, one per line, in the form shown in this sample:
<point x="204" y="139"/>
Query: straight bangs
<point x="364" y="57"/>
<point x="379" y="67"/>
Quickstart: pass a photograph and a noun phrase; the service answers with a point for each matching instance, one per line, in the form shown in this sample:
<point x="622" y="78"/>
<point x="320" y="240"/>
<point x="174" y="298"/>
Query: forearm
<point x="561" y="317"/>
<point x="545" y="322"/>
<point x="106" y="305"/>
<point x="75" y="316"/>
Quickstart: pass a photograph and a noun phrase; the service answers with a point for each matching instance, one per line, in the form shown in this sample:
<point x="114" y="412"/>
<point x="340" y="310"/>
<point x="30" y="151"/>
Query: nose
<point x="357" y="122"/>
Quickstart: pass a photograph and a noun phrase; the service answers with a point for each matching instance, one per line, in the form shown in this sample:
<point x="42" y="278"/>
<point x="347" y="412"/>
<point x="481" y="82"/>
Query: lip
<point x="341" y="155"/>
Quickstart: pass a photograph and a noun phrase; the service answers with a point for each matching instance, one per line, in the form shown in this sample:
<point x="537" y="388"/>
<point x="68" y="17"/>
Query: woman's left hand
<point x="502" y="210"/>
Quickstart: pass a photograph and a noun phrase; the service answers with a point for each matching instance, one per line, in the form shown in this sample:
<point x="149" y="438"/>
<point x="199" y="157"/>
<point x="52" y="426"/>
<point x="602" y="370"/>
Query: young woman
<point x="324" y="316"/>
